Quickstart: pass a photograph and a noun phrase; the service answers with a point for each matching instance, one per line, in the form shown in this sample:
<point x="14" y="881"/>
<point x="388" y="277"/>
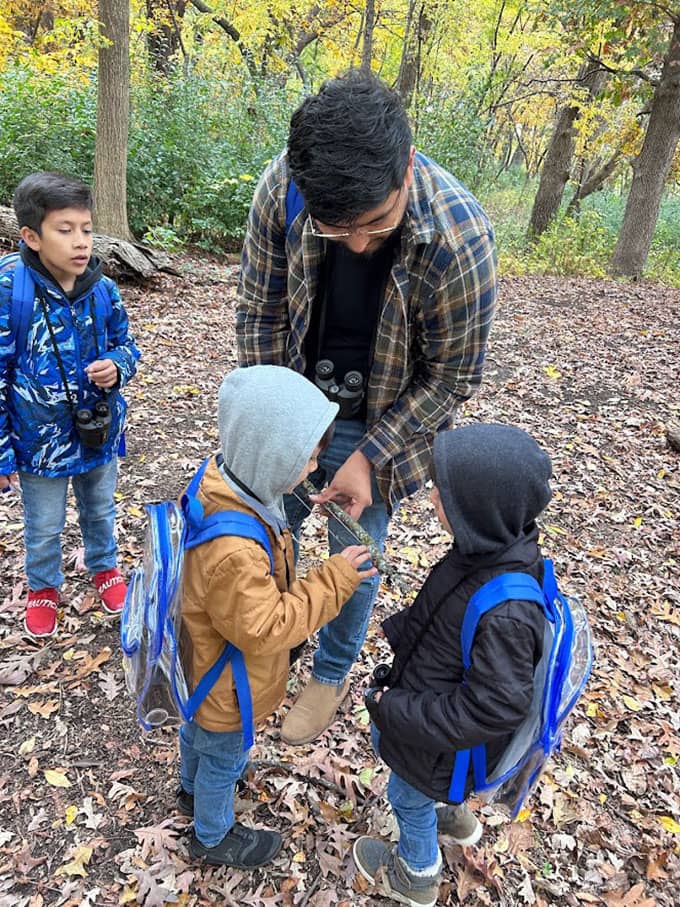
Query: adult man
<point x="387" y="269"/>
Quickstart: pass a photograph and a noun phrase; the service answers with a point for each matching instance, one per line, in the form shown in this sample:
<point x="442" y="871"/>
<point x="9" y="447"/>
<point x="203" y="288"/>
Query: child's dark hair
<point x="349" y="146"/>
<point x="327" y="437"/>
<point x="39" y="193"/>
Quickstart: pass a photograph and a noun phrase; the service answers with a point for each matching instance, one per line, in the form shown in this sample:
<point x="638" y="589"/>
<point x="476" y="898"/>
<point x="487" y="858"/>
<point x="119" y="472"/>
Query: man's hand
<point x="102" y="372"/>
<point x="351" y="486"/>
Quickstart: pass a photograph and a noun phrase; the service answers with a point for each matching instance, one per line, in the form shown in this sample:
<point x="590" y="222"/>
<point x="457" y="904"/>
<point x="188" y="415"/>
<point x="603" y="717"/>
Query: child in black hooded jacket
<point x="491" y="483"/>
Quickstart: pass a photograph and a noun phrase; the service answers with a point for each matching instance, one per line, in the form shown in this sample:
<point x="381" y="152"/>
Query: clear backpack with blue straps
<point x="559" y="679"/>
<point x="151" y="622"/>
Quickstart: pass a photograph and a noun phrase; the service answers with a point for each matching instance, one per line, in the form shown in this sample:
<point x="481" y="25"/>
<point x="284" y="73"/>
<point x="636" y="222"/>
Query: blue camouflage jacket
<point x="37" y="431"/>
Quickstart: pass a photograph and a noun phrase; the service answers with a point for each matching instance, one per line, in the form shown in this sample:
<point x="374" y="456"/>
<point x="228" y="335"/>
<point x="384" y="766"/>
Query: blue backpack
<point x="559" y="679"/>
<point x="294" y="204"/>
<point x="151" y="621"/>
<point x="23" y="298"/>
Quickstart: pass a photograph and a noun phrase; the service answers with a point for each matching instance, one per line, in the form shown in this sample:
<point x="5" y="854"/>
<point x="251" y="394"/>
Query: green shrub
<point x="198" y="144"/>
<point x="46" y="123"/>
<point x="581" y="244"/>
<point x="196" y="149"/>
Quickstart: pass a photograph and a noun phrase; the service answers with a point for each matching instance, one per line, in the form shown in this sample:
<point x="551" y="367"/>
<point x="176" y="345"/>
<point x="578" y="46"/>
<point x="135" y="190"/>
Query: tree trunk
<point x="369" y="24"/>
<point x="651" y="168"/>
<point x="113" y="107"/>
<point x="557" y="161"/>
<point x="594" y="182"/>
<point x="411" y="56"/>
<point x="164" y="39"/>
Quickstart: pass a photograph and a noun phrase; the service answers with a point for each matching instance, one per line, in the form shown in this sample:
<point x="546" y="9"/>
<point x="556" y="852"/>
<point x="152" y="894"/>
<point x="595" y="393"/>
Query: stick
<point x="357" y="531"/>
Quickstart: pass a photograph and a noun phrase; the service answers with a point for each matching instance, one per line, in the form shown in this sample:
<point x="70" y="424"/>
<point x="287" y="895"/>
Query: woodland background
<point x="562" y="115"/>
<point x="564" y="118"/>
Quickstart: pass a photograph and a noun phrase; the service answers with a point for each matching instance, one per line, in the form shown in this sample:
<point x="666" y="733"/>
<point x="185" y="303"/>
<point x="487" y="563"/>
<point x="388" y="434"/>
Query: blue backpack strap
<point x="23" y="296"/>
<point x="103" y="306"/>
<point x="231" y="523"/>
<point x="245" y="703"/>
<point x="294" y="204"/>
<point x="507" y="586"/>
<point x="191" y="506"/>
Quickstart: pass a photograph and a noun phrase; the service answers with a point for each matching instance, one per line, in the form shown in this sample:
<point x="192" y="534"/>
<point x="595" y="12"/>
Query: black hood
<point x="493" y="481"/>
<point x="84" y="281"/>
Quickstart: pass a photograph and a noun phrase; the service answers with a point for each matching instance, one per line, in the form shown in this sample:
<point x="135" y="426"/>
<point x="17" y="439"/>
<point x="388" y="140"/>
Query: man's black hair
<point x="39" y="193"/>
<point x="349" y="146"/>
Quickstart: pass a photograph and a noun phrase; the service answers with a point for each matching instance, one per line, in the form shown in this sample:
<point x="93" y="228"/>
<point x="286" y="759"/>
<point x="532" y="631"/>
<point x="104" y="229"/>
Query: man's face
<point x="386" y="218"/>
<point x="64" y="243"/>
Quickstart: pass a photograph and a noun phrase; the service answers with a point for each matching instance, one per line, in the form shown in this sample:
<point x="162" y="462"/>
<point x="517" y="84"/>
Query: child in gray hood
<point x="491" y="483"/>
<point x="272" y="423"/>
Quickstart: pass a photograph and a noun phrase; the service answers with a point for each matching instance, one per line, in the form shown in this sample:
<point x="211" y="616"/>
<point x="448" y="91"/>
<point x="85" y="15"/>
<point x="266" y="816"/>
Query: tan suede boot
<point x="313" y="712"/>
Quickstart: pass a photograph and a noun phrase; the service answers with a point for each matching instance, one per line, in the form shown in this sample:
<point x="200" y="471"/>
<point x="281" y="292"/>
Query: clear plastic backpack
<point x="559" y="680"/>
<point x="151" y="622"/>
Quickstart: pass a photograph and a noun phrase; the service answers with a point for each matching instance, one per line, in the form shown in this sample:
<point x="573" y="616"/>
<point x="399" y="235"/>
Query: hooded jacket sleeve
<point x="121" y="347"/>
<point x="8" y="463"/>
<point x="393" y="627"/>
<point x="246" y="607"/>
<point x="491" y="703"/>
<point x="262" y="319"/>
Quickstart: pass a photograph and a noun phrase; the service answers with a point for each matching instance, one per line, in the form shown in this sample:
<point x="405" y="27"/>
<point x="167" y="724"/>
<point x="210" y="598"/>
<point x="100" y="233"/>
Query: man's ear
<point x="408" y="179"/>
<point x="31" y="238"/>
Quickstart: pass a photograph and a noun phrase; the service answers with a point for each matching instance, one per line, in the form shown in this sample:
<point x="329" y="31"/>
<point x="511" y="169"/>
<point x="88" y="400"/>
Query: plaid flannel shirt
<point x="434" y="321"/>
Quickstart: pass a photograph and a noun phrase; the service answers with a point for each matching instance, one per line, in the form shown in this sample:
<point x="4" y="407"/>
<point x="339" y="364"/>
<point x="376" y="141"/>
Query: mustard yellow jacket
<point x="230" y="595"/>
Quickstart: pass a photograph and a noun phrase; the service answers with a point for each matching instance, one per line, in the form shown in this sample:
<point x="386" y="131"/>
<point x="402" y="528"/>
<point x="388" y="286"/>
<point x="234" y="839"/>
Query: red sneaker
<point x="112" y="589"/>
<point x="41" y="612"/>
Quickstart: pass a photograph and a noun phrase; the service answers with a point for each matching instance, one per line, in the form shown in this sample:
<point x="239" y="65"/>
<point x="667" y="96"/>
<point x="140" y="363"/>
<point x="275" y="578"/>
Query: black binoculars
<point x="380" y="674"/>
<point x="348" y="394"/>
<point x="93" y="425"/>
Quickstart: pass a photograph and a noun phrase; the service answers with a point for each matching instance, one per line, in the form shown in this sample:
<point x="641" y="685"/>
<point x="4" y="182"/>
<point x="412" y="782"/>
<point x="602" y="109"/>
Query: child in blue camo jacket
<point x="65" y="353"/>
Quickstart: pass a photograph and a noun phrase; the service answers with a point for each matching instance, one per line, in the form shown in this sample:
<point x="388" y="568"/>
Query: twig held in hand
<point x="351" y="524"/>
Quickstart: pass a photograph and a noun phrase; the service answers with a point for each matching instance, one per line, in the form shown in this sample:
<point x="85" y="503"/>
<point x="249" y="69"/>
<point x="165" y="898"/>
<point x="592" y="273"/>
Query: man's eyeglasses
<point x="346" y="232"/>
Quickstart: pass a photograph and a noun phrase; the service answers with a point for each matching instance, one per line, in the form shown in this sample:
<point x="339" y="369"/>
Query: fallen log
<point x="120" y="257"/>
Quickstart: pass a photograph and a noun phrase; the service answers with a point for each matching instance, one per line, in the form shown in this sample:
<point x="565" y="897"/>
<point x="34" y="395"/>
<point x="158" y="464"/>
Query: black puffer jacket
<point x="493" y="482"/>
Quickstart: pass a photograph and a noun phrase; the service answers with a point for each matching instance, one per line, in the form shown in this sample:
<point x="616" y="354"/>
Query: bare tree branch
<point x="637" y="72"/>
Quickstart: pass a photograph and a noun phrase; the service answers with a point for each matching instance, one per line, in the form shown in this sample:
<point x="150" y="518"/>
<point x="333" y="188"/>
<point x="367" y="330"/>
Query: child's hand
<point x="358" y="555"/>
<point x="102" y="372"/>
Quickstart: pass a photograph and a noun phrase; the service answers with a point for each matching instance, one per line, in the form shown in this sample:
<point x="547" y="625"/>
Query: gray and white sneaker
<point x="379" y="863"/>
<point x="459" y="823"/>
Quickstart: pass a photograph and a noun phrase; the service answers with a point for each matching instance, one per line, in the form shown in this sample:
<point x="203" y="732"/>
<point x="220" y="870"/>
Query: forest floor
<point x="87" y="811"/>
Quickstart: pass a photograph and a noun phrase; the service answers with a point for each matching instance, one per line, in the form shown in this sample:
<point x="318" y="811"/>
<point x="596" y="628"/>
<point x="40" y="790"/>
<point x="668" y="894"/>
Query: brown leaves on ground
<point x="87" y="813"/>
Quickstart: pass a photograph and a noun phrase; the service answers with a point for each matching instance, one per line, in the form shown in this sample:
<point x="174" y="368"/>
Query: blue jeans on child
<point x="340" y="641"/>
<point x="44" y="502"/>
<point x="416" y="816"/>
<point x="211" y="763"/>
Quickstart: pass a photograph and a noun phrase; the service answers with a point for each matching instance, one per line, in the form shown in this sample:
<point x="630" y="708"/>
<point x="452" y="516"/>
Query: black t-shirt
<point x="347" y="309"/>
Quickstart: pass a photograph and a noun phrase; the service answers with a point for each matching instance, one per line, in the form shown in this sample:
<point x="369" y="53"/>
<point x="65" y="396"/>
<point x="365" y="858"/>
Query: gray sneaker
<point x="241" y="847"/>
<point x="459" y="823"/>
<point x="379" y="863"/>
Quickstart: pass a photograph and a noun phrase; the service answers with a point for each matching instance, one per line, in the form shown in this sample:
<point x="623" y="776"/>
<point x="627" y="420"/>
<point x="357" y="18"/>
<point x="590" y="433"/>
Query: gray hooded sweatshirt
<point x="270" y="420"/>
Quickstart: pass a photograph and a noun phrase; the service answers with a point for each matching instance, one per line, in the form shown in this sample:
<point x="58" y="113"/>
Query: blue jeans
<point x="211" y="763"/>
<point x="416" y="816"/>
<point x="340" y="641"/>
<point x="44" y="502"/>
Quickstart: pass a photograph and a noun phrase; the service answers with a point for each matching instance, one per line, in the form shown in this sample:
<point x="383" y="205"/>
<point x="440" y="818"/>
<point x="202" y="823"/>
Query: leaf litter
<point x="87" y="812"/>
